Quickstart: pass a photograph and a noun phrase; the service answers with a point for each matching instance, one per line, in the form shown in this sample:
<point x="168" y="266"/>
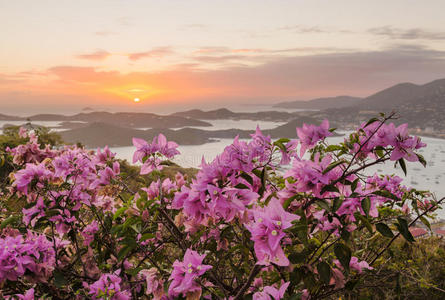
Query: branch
<point x="254" y="272"/>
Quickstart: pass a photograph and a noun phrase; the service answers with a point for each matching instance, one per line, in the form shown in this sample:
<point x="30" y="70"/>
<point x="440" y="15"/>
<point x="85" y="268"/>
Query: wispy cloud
<point x="407" y="34"/>
<point x="302" y="29"/>
<point x="97" y="55"/>
<point x="219" y="59"/>
<point x="155" y="52"/>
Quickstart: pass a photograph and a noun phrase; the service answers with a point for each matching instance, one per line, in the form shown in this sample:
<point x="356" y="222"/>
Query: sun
<point x="137" y="100"/>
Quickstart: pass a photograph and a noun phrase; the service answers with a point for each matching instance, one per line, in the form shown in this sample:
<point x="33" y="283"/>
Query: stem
<point x="254" y="272"/>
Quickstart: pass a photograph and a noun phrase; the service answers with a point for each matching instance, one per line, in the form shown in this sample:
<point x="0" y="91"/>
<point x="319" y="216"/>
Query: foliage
<point x="95" y="227"/>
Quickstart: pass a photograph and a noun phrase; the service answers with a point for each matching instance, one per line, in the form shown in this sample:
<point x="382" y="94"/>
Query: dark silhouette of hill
<point x="131" y="120"/>
<point x="321" y="103"/>
<point x="10" y="118"/>
<point x="224" y="114"/>
<point x="101" y="134"/>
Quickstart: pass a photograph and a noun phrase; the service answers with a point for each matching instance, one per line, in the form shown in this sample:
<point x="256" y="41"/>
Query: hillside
<point x="422" y="106"/>
<point x="320" y="103"/>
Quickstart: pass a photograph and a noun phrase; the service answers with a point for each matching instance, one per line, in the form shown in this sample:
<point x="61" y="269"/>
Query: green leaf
<point x="366" y="205"/>
<point x="354" y="185"/>
<point x="288" y="201"/>
<point x="296" y="276"/>
<point x="242" y="186"/>
<point x="324" y="270"/>
<point x="300" y="231"/>
<point x="343" y="254"/>
<point x="119" y="212"/>
<point x="247" y="177"/>
<point x="123" y="252"/>
<point x="364" y="221"/>
<point x="386" y="194"/>
<point x="147" y="236"/>
<point x="283" y="140"/>
<point x="323" y="205"/>
<point x="9" y="220"/>
<point x="329" y="188"/>
<point x="338" y="201"/>
<point x="402" y="226"/>
<point x="421" y="159"/>
<point x="332" y="148"/>
<point x="297" y="257"/>
<point x="59" y="279"/>
<point x="333" y="165"/>
<point x="370" y="122"/>
<point x="384" y="230"/>
<point x="402" y="165"/>
<point x="425" y="221"/>
<point x="263" y="182"/>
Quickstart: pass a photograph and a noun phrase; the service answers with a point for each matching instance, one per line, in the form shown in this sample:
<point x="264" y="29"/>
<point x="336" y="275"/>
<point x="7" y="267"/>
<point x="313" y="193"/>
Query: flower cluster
<point x="19" y="255"/>
<point x="184" y="274"/>
<point x="267" y="229"/>
<point x="150" y="154"/>
<point x="382" y="135"/>
<point x="310" y="135"/>
<point x="225" y="187"/>
<point x="270" y="292"/>
<point x="30" y="152"/>
<point x="108" y="287"/>
<point x="73" y="178"/>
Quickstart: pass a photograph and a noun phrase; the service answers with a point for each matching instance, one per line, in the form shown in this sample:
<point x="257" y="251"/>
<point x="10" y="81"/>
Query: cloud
<point x="302" y="29"/>
<point x="155" y="52"/>
<point x="97" y="55"/>
<point x="226" y="50"/>
<point x="219" y="59"/>
<point x="407" y="34"/>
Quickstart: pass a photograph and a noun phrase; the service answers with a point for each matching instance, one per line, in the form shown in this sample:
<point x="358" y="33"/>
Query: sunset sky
<point x="65" y="55"/>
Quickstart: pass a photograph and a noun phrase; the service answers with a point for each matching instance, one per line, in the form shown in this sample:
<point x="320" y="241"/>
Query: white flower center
<point x="190" y="270"/>
<point x="274" y="232"/>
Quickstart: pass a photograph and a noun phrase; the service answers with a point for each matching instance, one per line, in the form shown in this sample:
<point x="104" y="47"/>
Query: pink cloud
<point x="155" y="52"/>
<point x="97" y="55"/>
